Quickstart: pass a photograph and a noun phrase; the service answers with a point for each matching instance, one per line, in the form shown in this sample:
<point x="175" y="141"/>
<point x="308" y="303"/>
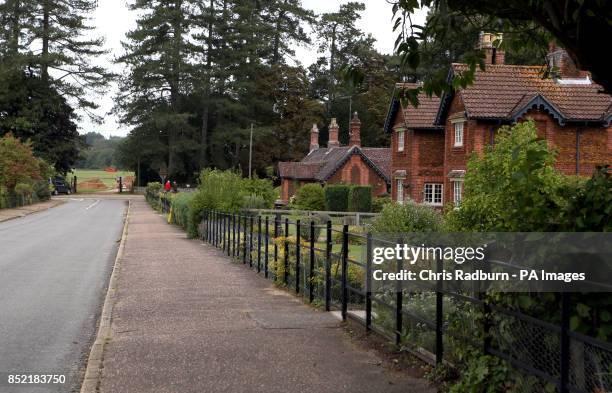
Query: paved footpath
<point x="9" y="214"/>
<point x="186" y="319"/>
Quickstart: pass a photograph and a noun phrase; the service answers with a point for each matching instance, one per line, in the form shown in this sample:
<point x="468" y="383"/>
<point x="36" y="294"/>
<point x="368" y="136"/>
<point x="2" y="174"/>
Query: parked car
<point x="60" y="187"/>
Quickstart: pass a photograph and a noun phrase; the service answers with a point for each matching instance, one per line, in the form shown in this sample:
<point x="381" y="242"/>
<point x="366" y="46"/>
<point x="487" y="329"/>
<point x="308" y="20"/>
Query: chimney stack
<point x="333" y="134"/>
<point x="486" y="43"/>
<point x="314" y="137"/>
<point x="561" y="64"/>
<point x="355" y="137"/>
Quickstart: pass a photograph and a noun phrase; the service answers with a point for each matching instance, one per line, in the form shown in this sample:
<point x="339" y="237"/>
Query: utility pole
<point x="251" y="153"/>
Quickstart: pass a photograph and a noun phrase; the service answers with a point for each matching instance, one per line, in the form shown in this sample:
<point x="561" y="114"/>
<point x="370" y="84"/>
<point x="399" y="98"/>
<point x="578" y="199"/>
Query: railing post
<point x="565" y="341"/>
<point x="298" y="254"/>
<point x="276" y="224"/>
<point x="239" y="237"/>
<point x="215" y="223"/>
<point x="251" y="242"/>
<point x="286" y="274"/>
<point x="233" y="235"/>
<point x="267" y="241"/>
<point x="399" y="302"/>
<point x="345" y="243"/>
<point x="328" y="251"/>
<point x="244" y="242"/>
<point x="312" y="262"/>
<point x="368" y="282"/>
<point x="439" y="316"/>
<point x="229" y="233"/>
<point x="258" y="244"/>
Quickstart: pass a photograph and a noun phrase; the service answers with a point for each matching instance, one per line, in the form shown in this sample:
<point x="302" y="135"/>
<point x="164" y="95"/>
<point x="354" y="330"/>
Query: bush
<point x="154" y="187"/>
<point x="379" y="202"/>
<point x="181" y="213"/>
<point x="360" y="199"/>
<point x="319" y="219"/>
<point x="409" y="217"/>
<point x="262" y="189"/>
<point x="336" y="197"/>
<point x="310" y="197"/>
<point x="255" y="202"/>
<point x="41" y="190"/>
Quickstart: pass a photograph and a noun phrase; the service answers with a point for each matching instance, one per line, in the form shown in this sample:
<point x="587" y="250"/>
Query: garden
<point x="481" y="342"/>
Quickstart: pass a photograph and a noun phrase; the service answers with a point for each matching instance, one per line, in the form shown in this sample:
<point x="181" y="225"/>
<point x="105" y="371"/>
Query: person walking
<point x="167" y="186"/>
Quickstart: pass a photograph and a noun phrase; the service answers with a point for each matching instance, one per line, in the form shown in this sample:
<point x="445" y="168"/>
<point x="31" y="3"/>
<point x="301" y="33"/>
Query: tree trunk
<point x="16" y="28"/>
<point x="332" y="67"/>
<point x="44" y="63"/>
<point x="207" y="81"/>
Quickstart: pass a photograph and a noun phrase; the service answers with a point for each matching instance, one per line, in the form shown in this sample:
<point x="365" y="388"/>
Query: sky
<point x="112" y="20"/>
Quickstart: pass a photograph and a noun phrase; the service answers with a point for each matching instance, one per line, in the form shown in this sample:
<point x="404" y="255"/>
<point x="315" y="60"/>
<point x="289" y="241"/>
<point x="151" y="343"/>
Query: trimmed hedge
<point x="336" y="197"/>
<point x="360" y="199"/>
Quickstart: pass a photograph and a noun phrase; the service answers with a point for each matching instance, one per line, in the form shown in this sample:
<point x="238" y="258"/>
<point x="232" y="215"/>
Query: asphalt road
<point x="54" y="270"/>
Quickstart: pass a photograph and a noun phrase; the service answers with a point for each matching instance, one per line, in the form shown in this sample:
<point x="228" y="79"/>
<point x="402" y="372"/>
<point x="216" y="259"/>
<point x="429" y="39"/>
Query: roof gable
<point x="537" y="101"/>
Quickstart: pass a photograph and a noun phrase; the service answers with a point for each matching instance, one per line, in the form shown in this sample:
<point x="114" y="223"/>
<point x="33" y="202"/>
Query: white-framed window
<point x="457" y="192"/>
<point x="400" y="191"/>
<point x="400" y="140"/>
<point x="458" y="133"/>
<point x="432" y="193"/>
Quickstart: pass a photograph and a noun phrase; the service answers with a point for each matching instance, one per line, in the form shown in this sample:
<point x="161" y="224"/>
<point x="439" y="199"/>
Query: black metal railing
<point x="332" y="267"/>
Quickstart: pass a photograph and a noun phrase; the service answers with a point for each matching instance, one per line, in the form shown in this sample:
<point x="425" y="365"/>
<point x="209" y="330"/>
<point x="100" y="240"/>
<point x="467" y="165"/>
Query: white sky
<point x="113" y="19"/>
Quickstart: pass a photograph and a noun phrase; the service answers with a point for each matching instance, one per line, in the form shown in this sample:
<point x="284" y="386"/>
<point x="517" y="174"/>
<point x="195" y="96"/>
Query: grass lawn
<point x="108" y="178"/>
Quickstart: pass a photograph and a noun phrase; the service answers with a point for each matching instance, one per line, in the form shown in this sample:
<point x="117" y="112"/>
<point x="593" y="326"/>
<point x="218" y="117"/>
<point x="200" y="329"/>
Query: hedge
<point x="310" y="197"/>
<point x="336" y="197"/>
<point x="360" y="199"/>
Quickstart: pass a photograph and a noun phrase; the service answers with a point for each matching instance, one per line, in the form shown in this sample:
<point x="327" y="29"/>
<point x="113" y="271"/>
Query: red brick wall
<point x="356" y="171"/>
<point x="400" y="160"/>
<point x="595" y="143"/>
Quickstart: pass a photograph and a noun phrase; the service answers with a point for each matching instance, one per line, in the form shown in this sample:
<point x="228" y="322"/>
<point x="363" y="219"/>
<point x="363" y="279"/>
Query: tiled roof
<point x="422" y="117"/>
<point x="321" y="164"/>
<point x="503" y="91"/>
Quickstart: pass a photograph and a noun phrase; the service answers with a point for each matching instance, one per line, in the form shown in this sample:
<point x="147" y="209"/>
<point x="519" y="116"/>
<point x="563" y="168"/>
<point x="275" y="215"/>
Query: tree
<point x="17" y="163"/>
<point x="338" y="36"/>
<point x="576" y="24"/>
<point x="32" y="110"/>
<point x="159" y="72"/>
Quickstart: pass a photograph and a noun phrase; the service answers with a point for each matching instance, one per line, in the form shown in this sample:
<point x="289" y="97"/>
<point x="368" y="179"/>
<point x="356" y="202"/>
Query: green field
<point x="88" y="175"/>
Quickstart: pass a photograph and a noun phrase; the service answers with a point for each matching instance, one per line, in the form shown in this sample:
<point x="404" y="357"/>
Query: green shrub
<point x="310" y="197"/>
<point x="353" y="230"/>
<point x="255" y="202"/>
<point x="360" y="199"/>
<point x="41" y="190"/>
<point x="379" y="202"/>
<point x="319" y="219"/>
<point x="263" y="189"/>
<point x="336" y="197"/>
<point x="154" y="187"/>
<point x="409" y="217"/>
<point x="181" y="213"/>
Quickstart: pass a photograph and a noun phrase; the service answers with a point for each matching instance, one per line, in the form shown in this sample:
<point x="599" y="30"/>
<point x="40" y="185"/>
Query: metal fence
<point x="332" y="267"/>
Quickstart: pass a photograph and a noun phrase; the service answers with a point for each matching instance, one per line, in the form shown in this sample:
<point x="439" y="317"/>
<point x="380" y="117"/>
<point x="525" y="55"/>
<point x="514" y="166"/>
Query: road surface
<point x="54" y="271"/>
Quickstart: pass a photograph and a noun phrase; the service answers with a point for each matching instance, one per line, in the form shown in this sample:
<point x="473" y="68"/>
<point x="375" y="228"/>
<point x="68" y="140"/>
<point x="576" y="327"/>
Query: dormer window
<point x="458" y="132"/>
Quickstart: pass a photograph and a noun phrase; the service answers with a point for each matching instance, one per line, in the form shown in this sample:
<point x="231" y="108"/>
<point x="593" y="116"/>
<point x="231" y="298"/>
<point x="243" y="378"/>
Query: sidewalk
<point x="9" y="214"/>
<point x="186" y="319"/>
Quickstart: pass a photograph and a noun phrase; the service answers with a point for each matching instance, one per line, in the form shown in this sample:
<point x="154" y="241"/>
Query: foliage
<point x="42" y="190"/>
<point x="484" y="374"/>
<point x="310" y="196"/>
<point x="17" y="163"/>
<point x="24" y="190"/>
<point x="527" y="193"/>
<point x="262" y="189"/>
<point x="336" y="197"/>
<point x="407" y="217"/>
<point x="360" y="199"/>
<point x="319" y="220"/>
<point x="98" y="152"/>
<point x="181" y="213"/>
<point x="523" y="25"/>
<point x="590" y="208"/>
<point x="378" y="203"/>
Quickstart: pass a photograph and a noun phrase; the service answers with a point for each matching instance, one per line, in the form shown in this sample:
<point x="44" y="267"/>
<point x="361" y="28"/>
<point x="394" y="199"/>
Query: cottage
<point x="352" y="164"/>
<point x="432" y="144"/>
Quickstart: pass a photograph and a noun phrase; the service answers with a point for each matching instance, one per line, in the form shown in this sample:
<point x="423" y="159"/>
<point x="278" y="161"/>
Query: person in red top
<point x="167" y="186"/>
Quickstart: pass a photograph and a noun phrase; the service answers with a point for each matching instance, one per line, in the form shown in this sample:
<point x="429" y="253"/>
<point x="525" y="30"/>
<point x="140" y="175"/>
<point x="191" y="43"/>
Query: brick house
<point x="352" y="164"/>
<point x="432" y="144"/>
